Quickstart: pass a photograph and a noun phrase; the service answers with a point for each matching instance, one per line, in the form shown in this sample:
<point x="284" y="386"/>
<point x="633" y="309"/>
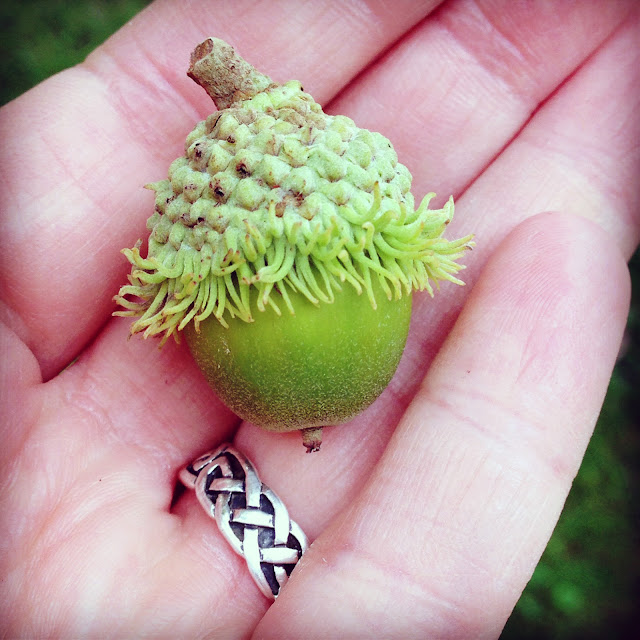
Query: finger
<point x="78" y="148"/>
<point x="447" y="531"/>
<point x="463" y="84"/>
<point x="578" y="154"/>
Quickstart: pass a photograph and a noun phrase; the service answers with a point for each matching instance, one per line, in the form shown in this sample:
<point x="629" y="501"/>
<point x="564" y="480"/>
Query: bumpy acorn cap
<point x="273" y="193"/>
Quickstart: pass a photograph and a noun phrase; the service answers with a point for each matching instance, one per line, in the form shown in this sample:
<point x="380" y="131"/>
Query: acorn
<point x="286" y="246"/>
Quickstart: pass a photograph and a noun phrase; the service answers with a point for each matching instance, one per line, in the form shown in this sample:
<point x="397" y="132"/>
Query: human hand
<point x="430" y="510"/>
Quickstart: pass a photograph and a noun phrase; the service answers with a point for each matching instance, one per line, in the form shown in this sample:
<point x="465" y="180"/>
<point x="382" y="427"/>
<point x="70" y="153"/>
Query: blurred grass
<point x="586" y="585"/>
<point x="42" y="37"/>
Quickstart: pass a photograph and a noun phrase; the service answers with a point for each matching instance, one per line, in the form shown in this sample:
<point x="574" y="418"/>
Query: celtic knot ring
<point x="249" y="514"/>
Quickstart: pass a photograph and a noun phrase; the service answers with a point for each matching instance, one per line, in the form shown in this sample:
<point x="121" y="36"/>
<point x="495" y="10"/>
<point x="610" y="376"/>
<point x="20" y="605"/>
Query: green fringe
<point x="403" y="249"/>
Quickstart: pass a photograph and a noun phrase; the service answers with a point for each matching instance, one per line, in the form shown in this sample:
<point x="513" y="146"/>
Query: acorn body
<point x="320" y="366"/>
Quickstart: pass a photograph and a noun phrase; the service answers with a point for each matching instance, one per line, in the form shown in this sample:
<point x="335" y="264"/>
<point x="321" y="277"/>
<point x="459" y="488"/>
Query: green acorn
<point x="285" y="243"/>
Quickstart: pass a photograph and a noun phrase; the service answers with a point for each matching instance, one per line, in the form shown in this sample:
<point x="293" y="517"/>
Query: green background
<point x="586" y="585"/>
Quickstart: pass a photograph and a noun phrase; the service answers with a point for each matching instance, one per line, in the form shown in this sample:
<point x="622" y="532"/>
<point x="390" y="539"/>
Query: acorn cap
<point x="273" y="193"/>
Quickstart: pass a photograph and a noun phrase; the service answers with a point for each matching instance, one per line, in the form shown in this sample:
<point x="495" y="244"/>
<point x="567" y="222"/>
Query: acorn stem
<point x="312" y="438"/>
<point x="224" y="75"/>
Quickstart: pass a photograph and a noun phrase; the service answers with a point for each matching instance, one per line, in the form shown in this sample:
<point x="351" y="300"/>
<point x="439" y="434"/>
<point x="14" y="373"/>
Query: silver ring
<point x="249" y="514"/>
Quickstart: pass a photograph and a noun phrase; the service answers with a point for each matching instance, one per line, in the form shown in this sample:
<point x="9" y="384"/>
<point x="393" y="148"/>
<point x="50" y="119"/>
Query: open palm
<point x="430" y="510"/>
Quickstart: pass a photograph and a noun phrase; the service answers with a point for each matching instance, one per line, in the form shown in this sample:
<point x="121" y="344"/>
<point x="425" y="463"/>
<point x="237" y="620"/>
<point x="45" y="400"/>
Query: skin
<point x="428" y="512"/>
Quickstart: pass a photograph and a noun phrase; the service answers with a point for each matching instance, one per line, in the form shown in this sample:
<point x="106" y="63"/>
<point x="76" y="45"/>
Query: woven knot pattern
<point x="249" y="514"/>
